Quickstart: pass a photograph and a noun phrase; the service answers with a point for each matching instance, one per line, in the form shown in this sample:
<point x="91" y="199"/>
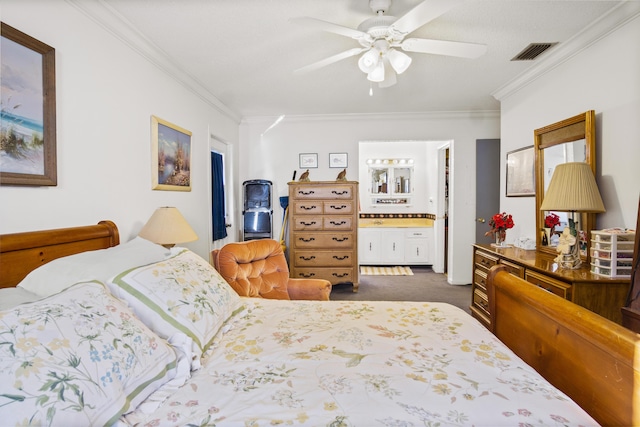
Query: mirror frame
<point x="582" y="126"/>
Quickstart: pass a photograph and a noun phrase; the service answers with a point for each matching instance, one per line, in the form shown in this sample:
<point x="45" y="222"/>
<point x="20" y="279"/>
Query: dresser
<point x="323" y="231"/>
<point x="600" y="294"/>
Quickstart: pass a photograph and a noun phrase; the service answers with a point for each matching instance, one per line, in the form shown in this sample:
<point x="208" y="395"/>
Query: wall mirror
<point x="570" y="140"/>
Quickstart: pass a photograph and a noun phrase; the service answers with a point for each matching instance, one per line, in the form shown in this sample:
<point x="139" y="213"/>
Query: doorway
<point x="441" y="224"/>
<point x="224" y="149"/>
<point x="487" y="186"/>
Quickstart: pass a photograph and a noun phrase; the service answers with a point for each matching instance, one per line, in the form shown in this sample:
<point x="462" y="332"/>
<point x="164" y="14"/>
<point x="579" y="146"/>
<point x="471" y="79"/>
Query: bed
<point x="100" y="333"/>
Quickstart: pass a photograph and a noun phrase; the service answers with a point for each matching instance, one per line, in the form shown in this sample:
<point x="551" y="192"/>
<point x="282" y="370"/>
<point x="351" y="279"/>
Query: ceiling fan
<point x="381" y="36"/>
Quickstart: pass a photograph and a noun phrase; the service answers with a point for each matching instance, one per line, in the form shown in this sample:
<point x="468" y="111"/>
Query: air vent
<point x="532" y="51"/>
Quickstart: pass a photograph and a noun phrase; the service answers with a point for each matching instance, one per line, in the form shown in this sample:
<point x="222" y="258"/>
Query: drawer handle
<point x="308" y="223"/>
<point x="306" y="193"/>
<point x="309" y="258"/>
<point x="339" y="275"/>
<point x="341" y="258"/>
<point x="338" y="239"/>
<point x="484" y="305"/>
<point x="340" y="193"/>
<point x="337" y="223"/>
<point x="309" y="208"/>
<point x="338" y="207"/>
<point x="310" y="239"/>
<point x="306" y="275"/>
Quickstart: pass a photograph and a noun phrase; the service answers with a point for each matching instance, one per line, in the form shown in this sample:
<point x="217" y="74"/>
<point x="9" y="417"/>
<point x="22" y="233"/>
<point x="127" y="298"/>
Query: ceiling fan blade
<point x="330" y="60"/>
<point x="424" y="12"/>
<point x="330" y="27"/>
<point x="443" y="47"/>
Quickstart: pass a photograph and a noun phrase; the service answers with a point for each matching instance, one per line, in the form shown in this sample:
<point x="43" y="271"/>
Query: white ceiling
<point x="243" y="52"/>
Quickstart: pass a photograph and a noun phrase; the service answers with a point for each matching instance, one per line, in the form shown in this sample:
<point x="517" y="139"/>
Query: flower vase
<point x="501" y="235"/>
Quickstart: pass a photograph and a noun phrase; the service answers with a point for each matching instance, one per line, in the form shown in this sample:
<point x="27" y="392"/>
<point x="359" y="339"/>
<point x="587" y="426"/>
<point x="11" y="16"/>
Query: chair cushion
<point x="256" y="268"/>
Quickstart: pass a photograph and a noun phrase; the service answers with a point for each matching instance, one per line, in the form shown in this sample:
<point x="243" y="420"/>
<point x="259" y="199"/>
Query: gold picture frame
<point x="170" y="156"/>
<point x="28" y="123"/>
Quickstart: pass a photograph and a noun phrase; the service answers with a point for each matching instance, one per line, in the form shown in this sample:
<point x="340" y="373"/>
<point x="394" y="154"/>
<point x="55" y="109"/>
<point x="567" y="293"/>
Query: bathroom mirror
<point x="570" y="140"/>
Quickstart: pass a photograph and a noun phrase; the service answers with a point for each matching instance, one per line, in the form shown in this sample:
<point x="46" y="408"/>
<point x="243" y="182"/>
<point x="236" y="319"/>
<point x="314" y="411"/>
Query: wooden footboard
<point x="594" y="361"/>
<point x="22" y="252"/>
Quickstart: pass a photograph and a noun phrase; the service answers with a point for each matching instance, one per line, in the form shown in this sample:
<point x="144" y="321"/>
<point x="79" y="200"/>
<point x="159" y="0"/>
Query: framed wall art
<point x="171" y="156"/>
<point x="28" y="119"/>
<point x="308" y="160"/>
<point x="520" y="173"/>
<point x="338" y="160"/>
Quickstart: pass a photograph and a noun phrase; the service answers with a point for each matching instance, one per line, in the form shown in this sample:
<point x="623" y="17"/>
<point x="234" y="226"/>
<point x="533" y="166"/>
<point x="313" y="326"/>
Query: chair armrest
<point x="309" y="289"/>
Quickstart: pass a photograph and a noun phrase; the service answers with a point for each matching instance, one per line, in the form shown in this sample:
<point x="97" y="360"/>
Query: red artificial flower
<point x="551" y="220"/>
<point x="500" y="221"/>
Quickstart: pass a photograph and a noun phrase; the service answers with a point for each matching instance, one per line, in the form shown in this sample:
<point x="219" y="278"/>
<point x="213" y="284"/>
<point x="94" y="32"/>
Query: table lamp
<point x="167" y="227"/>
<point x="572" y="189"/>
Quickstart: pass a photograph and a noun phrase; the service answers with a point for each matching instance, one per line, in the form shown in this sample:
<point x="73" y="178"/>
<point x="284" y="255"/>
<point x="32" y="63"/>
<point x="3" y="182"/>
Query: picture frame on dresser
<point x="28" y="125"/>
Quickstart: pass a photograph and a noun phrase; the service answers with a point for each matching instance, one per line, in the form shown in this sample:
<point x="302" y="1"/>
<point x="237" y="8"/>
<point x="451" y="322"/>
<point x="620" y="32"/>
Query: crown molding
<point x="112" y="21"/>
<point x="605" y="25"/>
<point x="427" y="115"/>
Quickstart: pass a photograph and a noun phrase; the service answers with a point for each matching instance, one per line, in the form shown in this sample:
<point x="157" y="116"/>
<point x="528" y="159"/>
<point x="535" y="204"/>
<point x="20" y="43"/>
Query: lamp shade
<point x="573" y="188"/>
<point x="400" y="61"/>
<point x="167" y="227"/>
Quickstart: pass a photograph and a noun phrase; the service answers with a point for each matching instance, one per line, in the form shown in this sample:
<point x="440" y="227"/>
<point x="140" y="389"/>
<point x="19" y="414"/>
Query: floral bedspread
<point x="348" y="363"/>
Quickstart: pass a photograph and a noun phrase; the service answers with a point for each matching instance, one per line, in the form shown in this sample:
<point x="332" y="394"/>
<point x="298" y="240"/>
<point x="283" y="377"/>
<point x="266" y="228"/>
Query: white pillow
<point x="101" y="264"/>
<point x="11" y="297"/>
<point x="181" y="295"/>
<point x="80" y="357"/>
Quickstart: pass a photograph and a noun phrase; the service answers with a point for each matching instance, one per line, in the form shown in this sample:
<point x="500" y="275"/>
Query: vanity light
<point x="369" y="161"/>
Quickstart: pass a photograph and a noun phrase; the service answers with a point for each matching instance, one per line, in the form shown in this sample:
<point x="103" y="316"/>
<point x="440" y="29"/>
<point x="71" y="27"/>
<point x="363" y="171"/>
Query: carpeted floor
<point x="423" y="285"/>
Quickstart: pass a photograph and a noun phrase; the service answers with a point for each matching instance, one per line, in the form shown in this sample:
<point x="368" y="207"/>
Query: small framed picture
<point x="308" y="160"/>
<point x="338" y="160"/>
<point x="520" y="173"/>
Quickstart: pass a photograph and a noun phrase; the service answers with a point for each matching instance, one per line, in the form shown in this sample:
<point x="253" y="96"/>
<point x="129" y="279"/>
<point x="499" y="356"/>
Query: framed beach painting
<point x="28" y="110"/>
<point x="171" y="156"/>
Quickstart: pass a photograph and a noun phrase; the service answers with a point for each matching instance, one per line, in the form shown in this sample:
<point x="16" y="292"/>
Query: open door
<point x="487" y="186"/>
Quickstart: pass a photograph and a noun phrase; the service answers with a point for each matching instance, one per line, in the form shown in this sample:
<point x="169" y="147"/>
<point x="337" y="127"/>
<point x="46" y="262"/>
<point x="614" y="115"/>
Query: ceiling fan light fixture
<point x="369" y="60"/>
<point x="400" y="61"/>
<point x="377" y="75"/>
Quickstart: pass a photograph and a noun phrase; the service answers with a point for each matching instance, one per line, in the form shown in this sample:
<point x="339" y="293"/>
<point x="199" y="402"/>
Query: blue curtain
<point x="217" y="197"/>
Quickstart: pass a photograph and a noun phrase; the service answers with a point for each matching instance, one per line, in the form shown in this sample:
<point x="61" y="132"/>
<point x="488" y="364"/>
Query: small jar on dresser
<point x="323" y="231"/>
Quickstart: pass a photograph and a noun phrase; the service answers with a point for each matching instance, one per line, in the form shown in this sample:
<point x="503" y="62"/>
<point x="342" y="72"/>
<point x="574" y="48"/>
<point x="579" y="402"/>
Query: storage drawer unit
<point x="323" y="233"/>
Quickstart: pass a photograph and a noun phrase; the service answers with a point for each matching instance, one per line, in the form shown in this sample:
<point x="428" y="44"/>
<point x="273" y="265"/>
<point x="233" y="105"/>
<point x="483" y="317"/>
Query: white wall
<point x="274" y="156"/>
<point x="605" y="78"/>
<point x="106" y="94"/>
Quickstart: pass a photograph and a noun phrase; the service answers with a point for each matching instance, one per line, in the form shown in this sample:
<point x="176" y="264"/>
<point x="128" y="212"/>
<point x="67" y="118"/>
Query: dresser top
<point x="544" y="263"/>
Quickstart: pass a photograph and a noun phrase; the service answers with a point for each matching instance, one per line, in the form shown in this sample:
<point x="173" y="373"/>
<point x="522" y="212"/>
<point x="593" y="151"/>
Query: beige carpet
<point x="386" y="271"/>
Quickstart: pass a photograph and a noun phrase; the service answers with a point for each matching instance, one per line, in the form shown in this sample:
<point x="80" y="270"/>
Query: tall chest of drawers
<point x="323" y="231"/>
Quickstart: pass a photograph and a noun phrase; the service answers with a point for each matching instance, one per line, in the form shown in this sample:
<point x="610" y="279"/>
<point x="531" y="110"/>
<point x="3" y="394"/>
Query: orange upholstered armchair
<point x="258" y="268"/>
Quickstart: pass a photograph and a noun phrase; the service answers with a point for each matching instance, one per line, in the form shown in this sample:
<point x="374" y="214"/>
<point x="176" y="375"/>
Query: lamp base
<point x="569" y="261"/>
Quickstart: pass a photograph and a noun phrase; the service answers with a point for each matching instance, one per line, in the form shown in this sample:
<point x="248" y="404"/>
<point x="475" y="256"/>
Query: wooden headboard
<point x="20" y="253"/>
<point x="593" y="360"/>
